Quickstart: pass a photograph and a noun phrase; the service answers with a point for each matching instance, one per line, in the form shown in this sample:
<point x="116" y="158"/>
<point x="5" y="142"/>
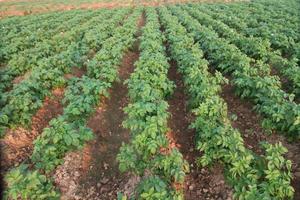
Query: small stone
<point x="104" y="180"/>
<point x="198" y="192"/>
<point x="106" y="166"/>
<point x="191" y="187"/>
<point x="205" y="190"/>
<point x="98" y="185"/>
<point x="76" y="174"/>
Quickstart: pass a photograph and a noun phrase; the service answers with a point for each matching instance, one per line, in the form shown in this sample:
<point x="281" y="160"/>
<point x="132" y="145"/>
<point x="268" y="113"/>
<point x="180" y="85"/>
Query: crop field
<point x="165" y="100"/>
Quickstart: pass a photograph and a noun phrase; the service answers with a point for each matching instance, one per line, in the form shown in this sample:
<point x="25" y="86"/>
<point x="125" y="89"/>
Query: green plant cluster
<point x="268" y="20"/>
<point x="68" y="131"/>
<point x="148" y="150"/>
<point x="255" y="47"/>
<point x="81" y="97"/>
<point x="16" y="39"/>
<point x="61" y="136"/>
<point x="276" y="20"/>
<point x="27" y="49"/>
<point x="29" y="185"/>
<point x="278" y="108"/>
<point x="252" y="176"/>
<point x="69" y="49"/>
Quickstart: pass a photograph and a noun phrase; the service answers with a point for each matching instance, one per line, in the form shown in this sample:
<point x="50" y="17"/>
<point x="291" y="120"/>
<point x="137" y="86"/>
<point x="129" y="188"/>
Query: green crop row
<point x="26" y="97"/>
<point x="278" y="108"/>
<point x="256" y="48"/>
<point x="148" y="154"/>
<point x="25" y="60"/>
<point x="68" y="131"/>
<point x="24" y="37"/>
<point x="252" y="176"/>
<point x="254" y="19"/>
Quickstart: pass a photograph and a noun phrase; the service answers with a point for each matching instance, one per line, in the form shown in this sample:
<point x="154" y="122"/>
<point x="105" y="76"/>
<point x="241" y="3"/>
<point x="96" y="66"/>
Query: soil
<point x="11" y="11"/>
<point x="75" y="72"/>
<point x="18" y="79"/>
<point x="200" y="183"/>
<point x="97" y="175"/>
<point x="248" y="122"/>
<point x="16" y="146"/>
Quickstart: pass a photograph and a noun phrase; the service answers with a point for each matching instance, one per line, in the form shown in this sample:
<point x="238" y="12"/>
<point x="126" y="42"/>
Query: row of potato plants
<point x="263" y="16"/>
<point x="282" y="13"/>
<point x="69" y="131"/>
<point x="12" y="42"/>
<point x="28" y="59"/>
<point x="84" y="93"/>
<point x="256" y="48"/>
<point x="277" y="107"/>
<point x="262" y="12"/>
<point x="285" y="8"/>
<point x="285" y="41"/>
<point x="27" y="97"/>
<point x="27" y="38"/>
<point x="287" y="13"/>
<point x="14" y="25"/>
<point x="252" y="176"/>
<point x="148" y="153"/>
<point x="7" y="23"/>
<point x="240" y="24"/>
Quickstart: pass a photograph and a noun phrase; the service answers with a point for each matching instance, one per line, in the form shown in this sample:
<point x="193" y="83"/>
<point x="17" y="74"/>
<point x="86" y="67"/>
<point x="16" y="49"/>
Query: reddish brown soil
<point x="106" y="123"/>
<point x="11" y="11"/>
<point x="18" y="79"/>
<point x="17" y="145"/>
<point x="248" y="122"/>
<point x="199" y="183"/>
<point x="98" y="174"/>
<point x="75" y="72"/>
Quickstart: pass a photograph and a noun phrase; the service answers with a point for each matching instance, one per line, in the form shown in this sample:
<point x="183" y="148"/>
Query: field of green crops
<point x="176" y="101"/>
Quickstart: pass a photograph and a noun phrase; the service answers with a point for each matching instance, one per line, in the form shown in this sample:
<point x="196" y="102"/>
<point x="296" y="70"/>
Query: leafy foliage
<point x="82" y="95"/>
<point x="51" y="146"/>
<point x="278" y="107"/>
<point x="54" y="59"/>
<point x="147" y="118"/>
<point x="257" y="47"/>
<point x="153" y="188"/>
<point x="250" y="174"/>
<point x="25" y="184"/>
<point x="68" y="132"/>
